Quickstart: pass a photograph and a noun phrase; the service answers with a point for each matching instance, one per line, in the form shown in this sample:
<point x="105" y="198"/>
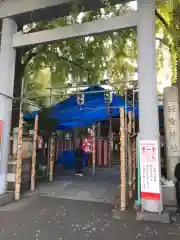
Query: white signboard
<point x="150" y="181"/>
<point x="172" y="129"/>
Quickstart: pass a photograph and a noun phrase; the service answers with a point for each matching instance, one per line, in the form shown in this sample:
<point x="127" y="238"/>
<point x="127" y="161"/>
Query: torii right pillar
<point x="148" y="101"/>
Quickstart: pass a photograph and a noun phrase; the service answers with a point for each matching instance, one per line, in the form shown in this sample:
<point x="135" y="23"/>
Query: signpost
<point x="150" y="186"/>
<point x="173" y="129"/>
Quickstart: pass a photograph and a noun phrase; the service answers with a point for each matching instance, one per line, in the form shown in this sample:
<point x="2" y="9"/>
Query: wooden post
<point x="33" y="164"/>
<point x="52" y="151"/>
<point x="57" y="149"/>
<point x="126" y="140"/>
<point x="122" y="163"/>
<point x="19" y="160"/>
<point x="93" y="150"/>
<point x="130" y="167"/>
<point x="134" y="150"/>
<point x="48" y="156"/>
<point x="110" y="154"/>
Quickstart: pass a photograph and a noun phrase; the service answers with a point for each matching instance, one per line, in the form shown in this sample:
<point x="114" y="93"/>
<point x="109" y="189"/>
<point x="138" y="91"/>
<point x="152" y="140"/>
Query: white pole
<point x="7" y="71"/>
<point x="148" y="101"/>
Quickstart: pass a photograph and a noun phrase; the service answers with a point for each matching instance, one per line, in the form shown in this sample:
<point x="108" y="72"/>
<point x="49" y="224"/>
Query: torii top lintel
<point x="27" y="11"/>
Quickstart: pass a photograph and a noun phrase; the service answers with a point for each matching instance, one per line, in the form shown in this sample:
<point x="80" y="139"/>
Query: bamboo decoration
<point x="122" y="163"/>
<point x="33" y="166"/>
<point x="19" y="160"/>
<point x="134" y="151"/>
<point x="52" y="155"/>
<point x="130" y="167"/>
<point x="93" y="151"/>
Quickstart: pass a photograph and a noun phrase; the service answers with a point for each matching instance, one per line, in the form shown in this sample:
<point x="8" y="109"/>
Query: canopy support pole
<point x="122" y="163"/>
<point x="19" y="160"/>
<point x="134" y="144"/>
<point x="93" y="150"/>
<point x="33" y="166"/>
<point x="130" y="165"/>
<point x="52" y="151"/>
<point x="110" y="155"/>
<point x="126" y="140"/>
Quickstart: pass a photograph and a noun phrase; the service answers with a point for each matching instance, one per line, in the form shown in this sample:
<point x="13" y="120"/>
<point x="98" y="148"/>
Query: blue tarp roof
<point x="69" y="114"/>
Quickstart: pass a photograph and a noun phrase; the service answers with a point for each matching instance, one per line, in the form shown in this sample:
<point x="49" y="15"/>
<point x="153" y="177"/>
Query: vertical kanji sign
<point x="172" y="125"/>
<point x="150" y="179"/>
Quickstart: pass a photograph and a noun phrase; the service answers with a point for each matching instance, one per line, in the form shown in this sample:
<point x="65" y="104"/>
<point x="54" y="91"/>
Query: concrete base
<point x="169" y="196"/>
<point x="128" y="215"/>
<point x="153" y="217"/>
<point x="6" y="198"/>
<point x="170" y="209"/>
<point x="134" y="213"/>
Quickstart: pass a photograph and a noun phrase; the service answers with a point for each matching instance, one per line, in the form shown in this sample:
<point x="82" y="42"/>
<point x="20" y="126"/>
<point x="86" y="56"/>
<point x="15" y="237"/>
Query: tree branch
<point x="164" y="42"/>
<point x="162" y="19"/>
<point x="32" y="54"/>
<point x="74" y="63"/>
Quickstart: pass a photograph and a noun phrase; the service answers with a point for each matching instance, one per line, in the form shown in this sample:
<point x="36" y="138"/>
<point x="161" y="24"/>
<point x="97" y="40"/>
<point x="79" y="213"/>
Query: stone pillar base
<point x="6" y="198"/>
<point x="153" y="217"/>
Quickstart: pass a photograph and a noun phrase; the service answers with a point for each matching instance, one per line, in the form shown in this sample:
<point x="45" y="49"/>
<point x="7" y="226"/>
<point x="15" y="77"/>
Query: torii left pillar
<point x="7" y="73"/>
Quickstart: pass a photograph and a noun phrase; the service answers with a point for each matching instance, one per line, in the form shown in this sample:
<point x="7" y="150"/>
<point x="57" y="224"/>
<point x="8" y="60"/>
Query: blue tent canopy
<point x="69" y="114"/>
<point x="31" y="115"/>
<point x="90" y="95"/>
<point x="95" y="110"/>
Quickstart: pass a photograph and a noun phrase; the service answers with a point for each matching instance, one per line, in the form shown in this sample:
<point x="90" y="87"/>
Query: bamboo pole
<point x="48" y="156"/>
<point x="126" y="138"/>
<point x="19" y="160"/>
<point x="134" y="147"/>
<point x="33" y="164"/>
<point x="57" y="149"/>
<point x="110" y="141"/>
<point x="130" y="167"/>
<point x="93" y="150"/>
<point x="52" y="151"/>
<point x="122" y="163"/>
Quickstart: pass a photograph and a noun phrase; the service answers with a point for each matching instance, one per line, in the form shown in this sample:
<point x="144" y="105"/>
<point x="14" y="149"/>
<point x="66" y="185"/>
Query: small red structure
<point x="102" y="152"/>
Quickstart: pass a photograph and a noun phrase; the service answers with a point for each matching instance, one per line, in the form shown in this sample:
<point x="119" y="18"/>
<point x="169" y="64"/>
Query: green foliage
<point x="46" y="125"/>
<point x="80" y="61"/>
<point x="168" y="25"/>
<point x="86" y="59"/>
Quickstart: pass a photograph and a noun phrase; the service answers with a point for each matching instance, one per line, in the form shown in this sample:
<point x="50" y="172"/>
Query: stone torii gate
<point x="15" y="13"/>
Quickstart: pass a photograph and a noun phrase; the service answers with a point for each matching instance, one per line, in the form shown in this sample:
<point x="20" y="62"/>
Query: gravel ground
<point x="45" y="218"/>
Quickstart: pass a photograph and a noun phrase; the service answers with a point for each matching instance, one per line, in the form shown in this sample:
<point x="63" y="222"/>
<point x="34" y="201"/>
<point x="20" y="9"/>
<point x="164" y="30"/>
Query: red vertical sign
<point x="150" y="179"/>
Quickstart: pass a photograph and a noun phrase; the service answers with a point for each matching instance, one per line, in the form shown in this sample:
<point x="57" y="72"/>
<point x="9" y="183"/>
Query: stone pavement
<point x="100" y="188"/>
<point x="45" y="218"/>
<point x="77" y="208"/>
